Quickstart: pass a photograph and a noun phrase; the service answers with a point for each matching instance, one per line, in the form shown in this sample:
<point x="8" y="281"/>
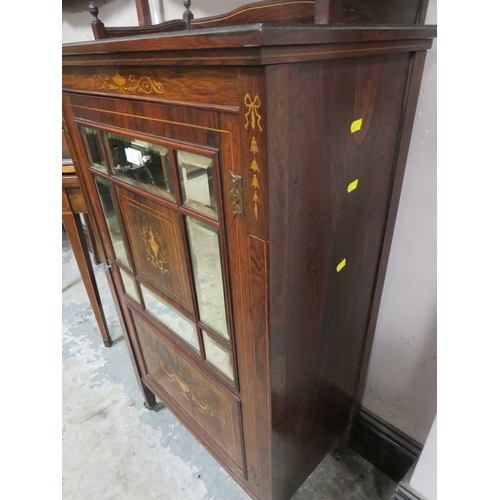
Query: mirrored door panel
<point x="207" y="272"/>
<point x="90" y="138"/>
<point x="196" y="174"/>
<point x="164" y="225"/>
<point x="171" y="318"/>
<point x="110" y="214"/>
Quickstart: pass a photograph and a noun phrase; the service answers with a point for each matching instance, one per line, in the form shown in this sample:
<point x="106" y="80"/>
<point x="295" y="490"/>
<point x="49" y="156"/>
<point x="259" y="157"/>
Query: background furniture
<point x="73" y="205"/>
<point x="245" y="183"/>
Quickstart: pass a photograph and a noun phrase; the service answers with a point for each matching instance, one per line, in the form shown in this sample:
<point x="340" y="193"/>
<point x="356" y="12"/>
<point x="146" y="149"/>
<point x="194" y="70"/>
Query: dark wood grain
<point x="120" y="32"/>
<point x="270" y="11"/>
<point x="281" y="12"/>
<point x="245" y="36"/>
<point x="143" y="13"/>
<point x="315" y="223"/>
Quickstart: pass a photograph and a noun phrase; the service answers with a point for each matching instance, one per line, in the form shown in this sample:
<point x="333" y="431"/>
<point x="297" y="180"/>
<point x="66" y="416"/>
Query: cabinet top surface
<point x="251" y="36"/>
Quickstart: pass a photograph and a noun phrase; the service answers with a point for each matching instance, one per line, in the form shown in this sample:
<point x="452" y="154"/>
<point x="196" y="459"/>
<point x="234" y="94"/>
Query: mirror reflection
<point x="93" y="148"/>
<point x="207" y="270"/>
<point x="171" y="318"/>
<point x="196" y="174"/>
<point x="142" y="164"/>
<point x="129" y="285"/>
<point x="218" y="356"/>
<point x="109" y="210"/>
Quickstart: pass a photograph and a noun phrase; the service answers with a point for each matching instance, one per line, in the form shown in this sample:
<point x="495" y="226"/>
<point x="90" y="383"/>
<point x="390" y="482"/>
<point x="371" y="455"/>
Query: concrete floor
<point x="113" y="448"/>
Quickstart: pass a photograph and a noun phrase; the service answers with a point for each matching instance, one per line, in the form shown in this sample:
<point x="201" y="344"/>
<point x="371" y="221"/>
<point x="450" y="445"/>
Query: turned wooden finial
<point x="188" y="15"/>
<point x="97" y="25"/>
<point x="94" y="10"/>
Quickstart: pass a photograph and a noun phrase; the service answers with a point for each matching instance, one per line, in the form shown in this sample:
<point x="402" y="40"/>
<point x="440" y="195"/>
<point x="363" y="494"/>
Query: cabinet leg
<point x="149" y="398"/>
<point x="74" y="231"/>
<point x="338" y="453"/>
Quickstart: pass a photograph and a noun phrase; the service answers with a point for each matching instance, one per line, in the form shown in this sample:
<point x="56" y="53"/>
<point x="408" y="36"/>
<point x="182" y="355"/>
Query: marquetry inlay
<point x="253" y="118"/>
<point x="186" y="390"/>
<point x="131" y="84"/>
<point x="157" y="253"/>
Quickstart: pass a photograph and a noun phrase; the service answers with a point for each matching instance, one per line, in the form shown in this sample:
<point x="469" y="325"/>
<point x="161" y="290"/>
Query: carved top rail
<point x="282" y="12"/>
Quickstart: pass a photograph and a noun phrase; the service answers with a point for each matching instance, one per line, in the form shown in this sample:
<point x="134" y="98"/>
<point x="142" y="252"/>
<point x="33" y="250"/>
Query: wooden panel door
<point x="156" y="188"/>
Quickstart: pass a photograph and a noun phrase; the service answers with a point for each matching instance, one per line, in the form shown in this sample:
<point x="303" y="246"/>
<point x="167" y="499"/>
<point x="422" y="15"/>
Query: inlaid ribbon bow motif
<point x="252" y="115"/>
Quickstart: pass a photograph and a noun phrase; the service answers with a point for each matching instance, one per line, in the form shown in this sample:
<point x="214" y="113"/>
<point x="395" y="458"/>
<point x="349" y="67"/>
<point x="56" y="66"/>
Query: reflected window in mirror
<point x="142" y="164"/>
<point x="196" y="174"/>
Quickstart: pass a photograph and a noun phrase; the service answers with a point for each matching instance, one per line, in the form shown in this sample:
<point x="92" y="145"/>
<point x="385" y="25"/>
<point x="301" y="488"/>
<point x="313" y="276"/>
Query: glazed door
<point x="156" y="188"/>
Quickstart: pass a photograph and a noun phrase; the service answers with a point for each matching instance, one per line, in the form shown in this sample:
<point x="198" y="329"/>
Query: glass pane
<point x="218" y="356"/>
<point x="129" y="285"/>
<point x="207" y="268"/>
<point x="114" y="229"/>
<point x="171" y="318"/>
<point x="196" y="174"/>
<point x="93" y="148"/>
<point x="141" y="164"/>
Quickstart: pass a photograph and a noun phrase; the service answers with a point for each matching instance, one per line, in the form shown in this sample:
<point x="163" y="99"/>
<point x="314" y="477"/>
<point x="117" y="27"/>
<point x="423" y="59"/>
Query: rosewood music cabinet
<point x="245" y="183"/>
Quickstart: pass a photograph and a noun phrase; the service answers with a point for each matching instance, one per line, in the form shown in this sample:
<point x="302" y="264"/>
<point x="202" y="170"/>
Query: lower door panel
<point x="207" y="406"/>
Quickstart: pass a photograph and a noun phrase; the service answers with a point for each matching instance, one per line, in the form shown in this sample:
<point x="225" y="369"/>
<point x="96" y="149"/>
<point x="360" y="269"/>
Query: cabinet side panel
<point x="333" y="134"/>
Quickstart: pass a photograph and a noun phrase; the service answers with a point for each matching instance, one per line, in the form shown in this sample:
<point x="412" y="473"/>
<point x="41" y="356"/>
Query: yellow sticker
<point x="341" y="266"/>
<point x="356" y="125"/>
<point x="352" y="186"/>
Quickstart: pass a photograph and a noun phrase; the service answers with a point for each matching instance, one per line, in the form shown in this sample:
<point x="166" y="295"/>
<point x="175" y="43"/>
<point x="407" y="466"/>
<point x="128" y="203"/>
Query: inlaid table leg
<point x="74" y="231"/>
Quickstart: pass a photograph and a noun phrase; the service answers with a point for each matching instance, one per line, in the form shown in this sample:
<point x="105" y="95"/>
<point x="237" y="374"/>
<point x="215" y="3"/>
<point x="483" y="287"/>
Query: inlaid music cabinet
<point x="244" y="180"/>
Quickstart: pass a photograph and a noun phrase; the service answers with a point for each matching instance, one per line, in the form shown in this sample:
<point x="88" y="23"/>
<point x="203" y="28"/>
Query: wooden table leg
<point x="76" y="237"/>
<point x="93" y="245"/>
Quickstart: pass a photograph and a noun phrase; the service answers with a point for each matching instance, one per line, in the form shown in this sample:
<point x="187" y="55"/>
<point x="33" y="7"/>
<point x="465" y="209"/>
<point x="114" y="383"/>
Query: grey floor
<point x="114" y="448"/>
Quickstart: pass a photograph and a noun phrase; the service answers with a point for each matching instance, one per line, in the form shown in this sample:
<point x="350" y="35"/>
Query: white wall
<point x="76" y="18"/>
<point x="424" y="477"/>
<point x="401" y="385"/>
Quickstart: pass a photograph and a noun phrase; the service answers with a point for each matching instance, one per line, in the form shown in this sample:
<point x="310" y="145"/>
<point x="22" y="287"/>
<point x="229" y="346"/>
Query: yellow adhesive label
<point x="341" y="266"/>
<point x="352" y="186"/>
<point x="356" y="125"/>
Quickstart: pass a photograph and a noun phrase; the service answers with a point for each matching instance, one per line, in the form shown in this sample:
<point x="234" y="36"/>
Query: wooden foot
<point x="149" y="398"/>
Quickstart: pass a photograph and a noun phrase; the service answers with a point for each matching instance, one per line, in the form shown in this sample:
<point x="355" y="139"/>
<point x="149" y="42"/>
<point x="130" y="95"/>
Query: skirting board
<point x="405" y="492"/>
<point x="386" y="447"/>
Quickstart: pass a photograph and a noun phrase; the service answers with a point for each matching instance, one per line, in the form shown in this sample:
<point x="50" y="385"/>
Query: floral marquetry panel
<point x="156" y="245"/>
<point x="151" y="82"/>
<point x="211" y="407"/>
